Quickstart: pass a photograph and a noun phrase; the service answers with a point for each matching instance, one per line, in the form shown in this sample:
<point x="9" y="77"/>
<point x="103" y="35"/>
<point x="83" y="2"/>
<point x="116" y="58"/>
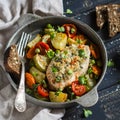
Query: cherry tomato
<point x="43" y="47"/>
<point x="70" y="29"/>
<point x="43" y="92"/>
<point x="78" y="89"/>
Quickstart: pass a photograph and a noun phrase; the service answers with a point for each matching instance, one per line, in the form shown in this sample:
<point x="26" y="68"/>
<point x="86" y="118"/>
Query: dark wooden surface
<point x="108" y="106"/>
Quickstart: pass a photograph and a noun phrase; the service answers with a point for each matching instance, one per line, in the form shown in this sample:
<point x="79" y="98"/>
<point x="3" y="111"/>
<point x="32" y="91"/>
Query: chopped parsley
<point x="81" y="53"/>
<point x="54" y="69"/>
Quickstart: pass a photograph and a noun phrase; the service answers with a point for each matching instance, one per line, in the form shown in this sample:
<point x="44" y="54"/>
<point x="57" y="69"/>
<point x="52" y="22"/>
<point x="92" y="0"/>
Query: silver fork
<point x="20" y="100"/>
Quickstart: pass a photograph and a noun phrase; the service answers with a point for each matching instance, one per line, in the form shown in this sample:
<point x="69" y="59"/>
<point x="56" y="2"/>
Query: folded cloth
<point x="10" y="12"/>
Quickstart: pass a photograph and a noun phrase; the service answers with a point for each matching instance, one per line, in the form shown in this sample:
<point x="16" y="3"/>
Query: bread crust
<point x="109" y="13"/>
<point x="12" y="62"/>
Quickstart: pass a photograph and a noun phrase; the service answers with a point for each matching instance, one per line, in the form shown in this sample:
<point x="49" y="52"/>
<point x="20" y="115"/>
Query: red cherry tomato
<point x="43" y="47"/>
<point x="78" y="89"/>
<point x="70" y="29"/>
<point x="43" y="92"/>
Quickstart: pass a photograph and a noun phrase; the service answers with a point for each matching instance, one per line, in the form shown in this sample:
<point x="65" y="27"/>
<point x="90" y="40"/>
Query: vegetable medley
<point x="62" y="64"/>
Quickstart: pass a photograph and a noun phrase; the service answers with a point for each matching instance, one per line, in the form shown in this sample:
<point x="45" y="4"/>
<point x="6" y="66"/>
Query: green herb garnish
<point x="81" y="53"/>
<point x="29" y="91"/>
<point x="72" y="30"/>
<point x="82" y="80"/>
<point x="54" y="69"/>
<point x="49" y="26"/>
<point x="110" y="63"/>
<point x="50" y="54"/>
<point x="58" y="92"/>
<point x="58" y="79"/>
<point x="90" y="70"/>
<point x="37" y="50"/>
<point x="44" y="84"/>
<point x="69" y="72"/>
<point x="35" y="74"/>
<point x="92" y="61"/>
<point x="87" y="112"/>
<point x="68" y="11"/>
<point x="61" y="29"/>
<point x="52" y="35"/>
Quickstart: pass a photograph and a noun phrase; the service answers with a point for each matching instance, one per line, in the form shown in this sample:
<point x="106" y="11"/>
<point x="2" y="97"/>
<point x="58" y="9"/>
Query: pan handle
<point x="88" y="99"/>
<point x="27" y="18"/>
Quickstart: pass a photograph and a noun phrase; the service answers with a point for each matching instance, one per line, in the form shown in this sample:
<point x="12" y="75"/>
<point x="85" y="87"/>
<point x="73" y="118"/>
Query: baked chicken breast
<point x="67" y="66"/>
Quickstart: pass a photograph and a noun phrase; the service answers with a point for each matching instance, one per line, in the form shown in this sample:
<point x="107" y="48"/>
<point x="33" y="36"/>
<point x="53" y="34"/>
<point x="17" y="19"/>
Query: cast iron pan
<point x="34" y="26"/>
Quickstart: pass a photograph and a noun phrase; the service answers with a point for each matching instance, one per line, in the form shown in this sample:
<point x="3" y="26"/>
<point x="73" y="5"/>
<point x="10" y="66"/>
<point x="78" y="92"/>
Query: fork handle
<point x="20" y="101"/>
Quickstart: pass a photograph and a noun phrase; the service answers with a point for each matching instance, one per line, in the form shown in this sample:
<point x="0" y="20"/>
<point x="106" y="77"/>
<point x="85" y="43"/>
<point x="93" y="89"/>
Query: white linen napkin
<point x="10" y="12"/>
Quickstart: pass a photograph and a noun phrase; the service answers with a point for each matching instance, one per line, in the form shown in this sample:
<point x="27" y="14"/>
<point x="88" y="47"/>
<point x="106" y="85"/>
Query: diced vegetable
<point x="45" y="38"/>
<point x="31" y="52"/>
<point x="50" y="54"/>
<point x="59" y="41"/>
<point x="34" y="41"/>
<point x="70" y="29"/>
<point x="71" y="41"/>
<point x="30" y="81"/>
<point x="78" y="89"/>
<point x="90" y="82"/>
<point x="82" y="80"/>
<point x="43" y="47"/>
<point x="61" y="97"/>
<point x="49" y="30"/>
<point x="39" y="76"/>
<point x="43" y="92"/>
<point x="41" y="62"/>
<point x="96" y="70"/>
<point x="80" y="39"/>
<point x="94" y="51"/>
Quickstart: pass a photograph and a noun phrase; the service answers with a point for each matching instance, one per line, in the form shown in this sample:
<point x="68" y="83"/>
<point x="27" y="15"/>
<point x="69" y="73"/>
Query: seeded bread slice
<point x="11" y="61"/>
<point x="113" y="19"/>
<point x="111" y="14"/>
<point x="101" y="15"/>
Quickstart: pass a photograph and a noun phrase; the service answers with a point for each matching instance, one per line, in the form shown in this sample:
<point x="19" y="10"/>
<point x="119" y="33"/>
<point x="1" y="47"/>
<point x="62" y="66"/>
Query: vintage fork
<point x="20" y="100"/>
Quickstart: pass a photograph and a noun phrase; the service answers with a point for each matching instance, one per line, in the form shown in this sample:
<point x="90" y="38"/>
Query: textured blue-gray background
<point x="108" y="106"/>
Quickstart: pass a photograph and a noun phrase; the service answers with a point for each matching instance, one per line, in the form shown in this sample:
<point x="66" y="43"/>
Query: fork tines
<point x="22" y="43"/>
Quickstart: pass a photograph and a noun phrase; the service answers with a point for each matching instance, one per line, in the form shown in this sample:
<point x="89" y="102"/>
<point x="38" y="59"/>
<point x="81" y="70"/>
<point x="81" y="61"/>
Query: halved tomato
<point x="42" y="91"/>
<point x="70" y="29"/>
<point x="78" y="89"/>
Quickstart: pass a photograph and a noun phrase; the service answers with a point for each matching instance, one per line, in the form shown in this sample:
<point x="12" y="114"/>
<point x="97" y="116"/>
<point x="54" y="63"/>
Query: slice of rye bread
<point x="113" y="19"/>
<point x="109" y="13"/>
<point x="12" y="62"/>
<point x="101" y="15"/>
